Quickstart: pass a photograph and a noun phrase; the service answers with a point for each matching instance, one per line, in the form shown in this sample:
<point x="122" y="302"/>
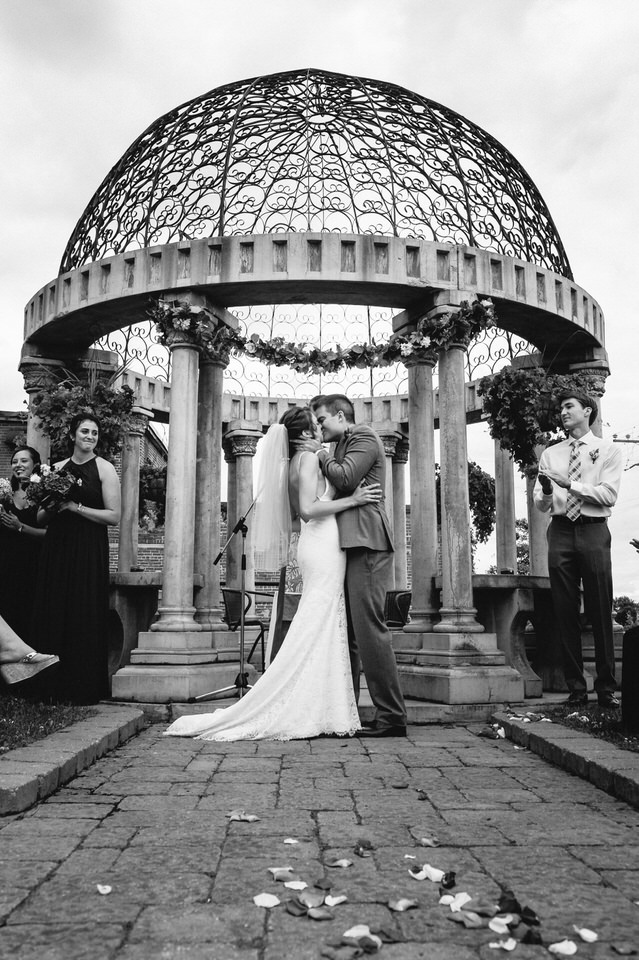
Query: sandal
<point x="28" y="667"/>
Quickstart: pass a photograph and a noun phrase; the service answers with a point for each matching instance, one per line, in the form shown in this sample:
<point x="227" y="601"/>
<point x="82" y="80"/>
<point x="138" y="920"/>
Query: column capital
<point x="401" y="451"/>
<point x="241" y="438"/>
<point x="39" y="372"/>
<point x="139" y="420"/>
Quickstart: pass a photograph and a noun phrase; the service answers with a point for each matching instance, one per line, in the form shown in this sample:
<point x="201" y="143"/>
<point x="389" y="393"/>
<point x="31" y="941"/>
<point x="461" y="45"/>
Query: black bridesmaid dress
<point x="72" y="601"/>
<point x="19" y="562"/>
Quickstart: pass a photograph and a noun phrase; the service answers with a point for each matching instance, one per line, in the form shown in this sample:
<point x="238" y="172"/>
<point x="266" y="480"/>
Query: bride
<point x="307" y="690"/>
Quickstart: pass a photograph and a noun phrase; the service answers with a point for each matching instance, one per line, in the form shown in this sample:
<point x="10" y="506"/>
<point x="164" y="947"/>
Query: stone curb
<point x="605" y="765"/>
<point x="32" y="773"/>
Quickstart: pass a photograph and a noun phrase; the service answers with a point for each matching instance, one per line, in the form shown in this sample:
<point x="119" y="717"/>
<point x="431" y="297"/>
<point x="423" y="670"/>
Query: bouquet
<point x="49" y="489"/>
<point x="6" y="493"/>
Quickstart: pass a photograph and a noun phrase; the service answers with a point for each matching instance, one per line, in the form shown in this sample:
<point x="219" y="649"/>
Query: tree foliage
<point x="481" y="495"/>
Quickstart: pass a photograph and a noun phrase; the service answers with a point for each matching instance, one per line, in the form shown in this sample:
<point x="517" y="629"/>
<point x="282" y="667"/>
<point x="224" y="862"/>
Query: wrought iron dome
<point x="309" y="150"/>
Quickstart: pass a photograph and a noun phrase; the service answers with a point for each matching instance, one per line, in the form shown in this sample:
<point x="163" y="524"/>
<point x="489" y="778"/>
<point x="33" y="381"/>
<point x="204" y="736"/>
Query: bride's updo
<point x="297" y="420"/>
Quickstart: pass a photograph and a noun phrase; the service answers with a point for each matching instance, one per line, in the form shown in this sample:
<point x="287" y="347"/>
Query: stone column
<point x="537" y="528"/>
<point x="458" y="615"/>
<point x="390" y="435"/>
<point x="400" y="459"/>
<point x="505" y="514"/>
<point x="39" y="373"/>
<point x="177" y="611"/>
<point x="423" y="497"/>
<point x="242" y="436"/>
<point x="231" y="560"/>
<point x="130" y="482"/>
<point x="208" y="483"/>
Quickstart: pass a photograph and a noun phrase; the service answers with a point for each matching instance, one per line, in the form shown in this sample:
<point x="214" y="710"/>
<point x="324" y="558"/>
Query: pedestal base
<point x="168" y="666"/>
<point x="456" y="668"/>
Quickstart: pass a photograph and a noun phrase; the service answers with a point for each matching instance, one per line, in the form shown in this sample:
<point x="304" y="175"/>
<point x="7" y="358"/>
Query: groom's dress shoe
<point x="392" y="731"/>
<point x="368" y="724"/>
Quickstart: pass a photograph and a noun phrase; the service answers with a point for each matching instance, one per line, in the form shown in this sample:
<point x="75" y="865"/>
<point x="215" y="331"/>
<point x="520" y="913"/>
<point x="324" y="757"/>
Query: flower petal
<point x="336" y="900"/>
<point x="340" y="863"/>
<point x="296" y="884"/>
<point x="564" y="948"/>
<point x="291" y="840"/>
<point x="400" y="906"/>
<point x="266" y="900"/>
<point x="320" y="913"/>
<point x="588" y="936"/>
<point x="509" y="944"/>
<point x="104" y="889"/>
<point x="240" y="815"/>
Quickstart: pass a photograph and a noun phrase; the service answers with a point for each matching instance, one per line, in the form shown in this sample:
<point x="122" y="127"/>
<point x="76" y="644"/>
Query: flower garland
<point x="216" y="340"/>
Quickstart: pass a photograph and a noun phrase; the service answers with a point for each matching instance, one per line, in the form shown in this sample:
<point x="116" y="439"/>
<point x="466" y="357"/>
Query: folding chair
<point x="233" y="616"/>
<point x="397" y="607"/>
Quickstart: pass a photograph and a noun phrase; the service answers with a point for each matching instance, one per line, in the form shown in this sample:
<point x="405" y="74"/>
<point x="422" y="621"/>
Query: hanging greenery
<point x="481" y="496"/>
<point x="522" y="409"/>
<point x="460" y="326"/>
<point x="56" y="407"/>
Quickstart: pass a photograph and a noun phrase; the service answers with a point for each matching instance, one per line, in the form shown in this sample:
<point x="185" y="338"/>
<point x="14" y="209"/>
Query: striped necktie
<point x="573" y="504"/>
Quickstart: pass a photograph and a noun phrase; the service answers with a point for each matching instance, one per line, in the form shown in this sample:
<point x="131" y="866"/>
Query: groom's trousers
<point x="368" y="577"/>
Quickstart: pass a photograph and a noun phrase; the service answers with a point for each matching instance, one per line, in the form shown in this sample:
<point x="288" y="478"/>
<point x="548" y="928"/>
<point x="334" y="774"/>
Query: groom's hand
<point x="306" y="444"/>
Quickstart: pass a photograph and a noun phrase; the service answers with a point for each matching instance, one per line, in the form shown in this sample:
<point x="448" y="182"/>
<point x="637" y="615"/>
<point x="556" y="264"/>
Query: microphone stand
<point x="240" y="684"/>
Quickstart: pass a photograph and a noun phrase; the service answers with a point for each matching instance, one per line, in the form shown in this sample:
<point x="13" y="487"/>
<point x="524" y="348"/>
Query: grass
<point x="24" y="721"/>
<point x="601" y="723"/>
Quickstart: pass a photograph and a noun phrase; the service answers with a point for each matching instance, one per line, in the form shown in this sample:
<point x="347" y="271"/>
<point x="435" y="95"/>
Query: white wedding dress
<point x="307" y="690"/>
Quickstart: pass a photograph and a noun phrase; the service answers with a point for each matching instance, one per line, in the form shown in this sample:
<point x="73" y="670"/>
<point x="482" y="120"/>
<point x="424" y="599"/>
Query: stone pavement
<point x="150" y="821"/>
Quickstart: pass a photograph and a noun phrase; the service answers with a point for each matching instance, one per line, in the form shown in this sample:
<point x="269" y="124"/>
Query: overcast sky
<point x="554" y="80"/>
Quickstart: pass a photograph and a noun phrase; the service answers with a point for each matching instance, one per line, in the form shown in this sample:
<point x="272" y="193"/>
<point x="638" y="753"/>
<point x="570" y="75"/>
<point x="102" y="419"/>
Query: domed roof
<point x="314" y="151"/>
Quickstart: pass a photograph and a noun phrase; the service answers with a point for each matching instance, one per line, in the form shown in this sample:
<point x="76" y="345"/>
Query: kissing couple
<point x="345" y="556"/>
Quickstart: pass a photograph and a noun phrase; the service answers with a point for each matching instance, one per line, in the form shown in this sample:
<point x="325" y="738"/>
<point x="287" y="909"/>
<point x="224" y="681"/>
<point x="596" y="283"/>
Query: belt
<point x="579" y="520"/>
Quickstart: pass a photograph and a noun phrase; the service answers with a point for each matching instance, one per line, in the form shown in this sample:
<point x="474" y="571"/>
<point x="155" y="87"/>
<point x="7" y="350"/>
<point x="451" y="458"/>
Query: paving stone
<point x="61" y="941"/>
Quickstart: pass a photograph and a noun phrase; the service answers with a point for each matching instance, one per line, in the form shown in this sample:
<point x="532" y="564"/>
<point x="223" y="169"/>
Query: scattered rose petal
<point x="485" y="908"/>
<point x="399" y="906"/>
<point x="295" y="908"/>
<point x="281" y="874"/>
<point x="363" y="849"/>
<point x="448" y="880"/>
<point x="545" y="720"/>
<point x="104" y="889"/>
<point x="241" y="816"/>
<point x="427" y="873"/>
<point x="410" y="856"/>
<point x="362" y="936"/>
<point x="267" y="900"/>
<point x="291" y="840"/>
<point x="429" y="842"/>
<point x="399" y="786"/>
<point x="323" y="883"/>
<point x="501" y="733"/>
<point x="529" y="916"/>
<point x="340" y="863"/>
<point x="509" y="944"/>
<point x="468" y="919"/>
<point x="508" y="903"/>
<point x="336" y="900"/>
<point x="296" y="885"/>
<point x="499" y="924"/>
<point x="564" y="948"/>
<point x="623" y="949"/>
<point x="532" y="937"/>
<point x="311" y="898"/>
<point x="320" y="913"/>
<point x="588" y="936"/>
<point x="422" y="795"/>
<point x="455" y="902"/>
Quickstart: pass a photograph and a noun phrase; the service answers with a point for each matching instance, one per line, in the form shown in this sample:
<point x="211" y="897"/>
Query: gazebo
<point x="313" y="205"/>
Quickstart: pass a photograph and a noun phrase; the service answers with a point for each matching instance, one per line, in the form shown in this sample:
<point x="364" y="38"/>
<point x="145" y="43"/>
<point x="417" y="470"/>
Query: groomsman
<point x="366" y="538"/>
<point x="578" y="482"/>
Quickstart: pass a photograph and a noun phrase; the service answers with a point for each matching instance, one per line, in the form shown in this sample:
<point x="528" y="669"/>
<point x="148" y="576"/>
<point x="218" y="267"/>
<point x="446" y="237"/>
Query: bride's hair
<point x="297" y="421"/>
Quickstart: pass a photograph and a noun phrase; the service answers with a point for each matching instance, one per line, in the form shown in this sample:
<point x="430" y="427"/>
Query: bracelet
<point x="21" y="528"/>
<point x="80" y="508"/>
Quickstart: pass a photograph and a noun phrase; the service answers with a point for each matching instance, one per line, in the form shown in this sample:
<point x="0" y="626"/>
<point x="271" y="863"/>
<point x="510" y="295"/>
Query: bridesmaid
<point x="73" y="592"/>
<point x="20" y="545"/>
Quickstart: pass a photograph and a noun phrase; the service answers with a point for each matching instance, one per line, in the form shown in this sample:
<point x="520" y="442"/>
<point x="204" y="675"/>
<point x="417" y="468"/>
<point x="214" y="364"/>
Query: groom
<point x="365" y="536"/>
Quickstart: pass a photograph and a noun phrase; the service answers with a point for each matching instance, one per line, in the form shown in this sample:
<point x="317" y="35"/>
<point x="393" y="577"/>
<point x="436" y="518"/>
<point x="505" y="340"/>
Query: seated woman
<point x="18" y="661"/>
<point x="21" y="541"/>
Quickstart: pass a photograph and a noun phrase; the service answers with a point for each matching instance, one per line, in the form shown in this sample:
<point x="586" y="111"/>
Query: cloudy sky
<point x="554" y="80"/>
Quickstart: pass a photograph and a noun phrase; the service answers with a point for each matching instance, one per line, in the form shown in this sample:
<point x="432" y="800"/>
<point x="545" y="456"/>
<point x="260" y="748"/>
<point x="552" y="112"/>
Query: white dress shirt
<point x="601" y="469"/>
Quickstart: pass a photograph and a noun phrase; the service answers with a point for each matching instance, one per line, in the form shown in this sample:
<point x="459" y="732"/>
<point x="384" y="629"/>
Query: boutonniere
<point x="594" y="454"/>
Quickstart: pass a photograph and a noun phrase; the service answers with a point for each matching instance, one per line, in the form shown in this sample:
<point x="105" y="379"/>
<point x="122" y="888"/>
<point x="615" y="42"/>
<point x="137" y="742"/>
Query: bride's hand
<point x="367" y="493"/>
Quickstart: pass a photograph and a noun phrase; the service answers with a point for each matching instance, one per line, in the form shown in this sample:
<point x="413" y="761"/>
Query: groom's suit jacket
<point x="359" y="455"/>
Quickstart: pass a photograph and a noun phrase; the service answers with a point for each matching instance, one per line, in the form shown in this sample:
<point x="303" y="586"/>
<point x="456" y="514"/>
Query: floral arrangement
<point x="522" y="409"/>
<point x="49" y="489"/>
<point x="56" y="407"/>
<point x="430" y="336"/>
<point x="6" y="492"/>
<point x="594" y="455"/>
